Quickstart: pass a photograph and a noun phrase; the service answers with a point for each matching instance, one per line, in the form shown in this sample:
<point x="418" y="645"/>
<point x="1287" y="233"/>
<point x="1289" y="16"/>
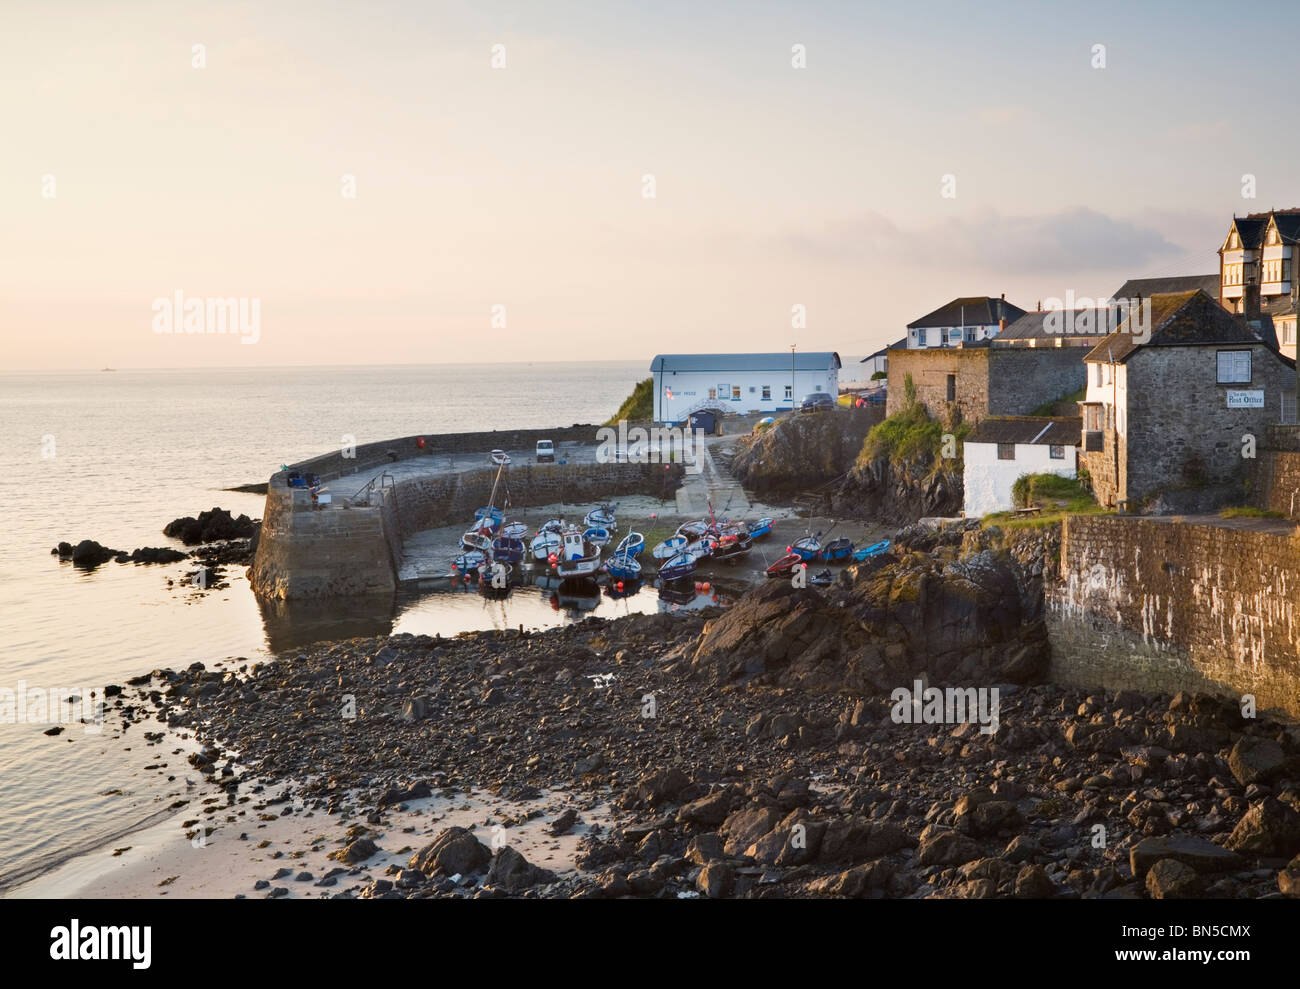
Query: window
<point x="1234" y="366"/>
<point x="735" y="393"/>
<point x="767" y="393"/>
<point x="1006" y="451"/>
<point x="1096" y="375"/>
<point x="789" y="391"/>
<point x="1092" y="417"/>
<point x="1056" y="451"/>
<point x="724" y="391"/>
<point x="952" y="387"/>
<point x="1288" y="333"/>
<point x="920" y="337"/>
<point x="713" y="393"/>
<point x="1288" y="408"/>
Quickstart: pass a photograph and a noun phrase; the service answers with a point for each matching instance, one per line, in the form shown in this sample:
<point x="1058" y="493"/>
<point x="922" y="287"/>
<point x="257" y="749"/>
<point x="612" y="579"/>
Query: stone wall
<point x="1275" y="482"/>
<point x="1158" y="605"/>
<point x="988" y="380"/>
<point x="518" y="442"/>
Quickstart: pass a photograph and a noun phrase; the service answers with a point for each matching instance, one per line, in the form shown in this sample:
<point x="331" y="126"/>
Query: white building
<point x="962" y="321"/>
<point x="1002" y="449"/>
<point x="739" y="383"/>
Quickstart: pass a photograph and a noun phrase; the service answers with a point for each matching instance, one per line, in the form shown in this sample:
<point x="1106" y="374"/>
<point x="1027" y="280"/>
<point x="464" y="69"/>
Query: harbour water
<point x="114" y="456"/>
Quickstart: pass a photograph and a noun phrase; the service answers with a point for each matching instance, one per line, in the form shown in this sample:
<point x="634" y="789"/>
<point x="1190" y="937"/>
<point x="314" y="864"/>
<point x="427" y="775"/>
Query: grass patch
<point x="639" y="406"/>
<point x="1058" y="497"/>
<point x="1051" y="408"/>
<point x="1249" y="512"/>
<point x="909" y="434"/>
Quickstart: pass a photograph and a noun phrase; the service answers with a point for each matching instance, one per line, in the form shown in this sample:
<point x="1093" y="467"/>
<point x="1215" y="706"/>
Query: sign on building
<point x="1246" y="399"/>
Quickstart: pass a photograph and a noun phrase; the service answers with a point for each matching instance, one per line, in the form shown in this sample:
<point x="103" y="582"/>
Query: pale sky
<point x="522" y="187"/>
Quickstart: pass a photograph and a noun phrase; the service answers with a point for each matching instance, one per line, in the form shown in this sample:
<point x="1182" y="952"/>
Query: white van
<point x="545" y="451"/>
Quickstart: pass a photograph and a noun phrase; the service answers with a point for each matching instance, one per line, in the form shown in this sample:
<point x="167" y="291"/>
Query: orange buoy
<point x="419" y="441"/>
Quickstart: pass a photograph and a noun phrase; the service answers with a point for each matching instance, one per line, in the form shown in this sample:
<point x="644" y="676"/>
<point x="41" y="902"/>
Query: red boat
<point x="785" y="566"/>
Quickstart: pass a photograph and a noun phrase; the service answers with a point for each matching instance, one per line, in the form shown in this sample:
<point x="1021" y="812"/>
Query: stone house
<point x="972" y="382"/>
<point x="1171" y="410"/>
<point x="1255" y="273"/>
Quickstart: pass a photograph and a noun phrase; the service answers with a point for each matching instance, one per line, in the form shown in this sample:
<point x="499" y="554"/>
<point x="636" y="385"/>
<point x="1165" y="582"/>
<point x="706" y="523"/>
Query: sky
<point x="635" y="178"/>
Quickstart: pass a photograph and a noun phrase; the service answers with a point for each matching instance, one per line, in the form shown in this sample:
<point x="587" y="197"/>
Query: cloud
<point x="1076" y="240"/>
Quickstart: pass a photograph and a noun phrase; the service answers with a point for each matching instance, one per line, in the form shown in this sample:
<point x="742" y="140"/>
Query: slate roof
<point x="1032" y="325"/>
<point x="882" y="351"/>
<point x="1182" y="319"/>
<point x="1251" y="227"/>
<point x="803" y="361"/>
<point x="1040" y="430"/>
<point x="1147" y="287"/>
<point x="977" y="310"/>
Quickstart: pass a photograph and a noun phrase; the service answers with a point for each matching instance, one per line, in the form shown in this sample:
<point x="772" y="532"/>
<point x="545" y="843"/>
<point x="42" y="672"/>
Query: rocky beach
<point x="750" y="753"/>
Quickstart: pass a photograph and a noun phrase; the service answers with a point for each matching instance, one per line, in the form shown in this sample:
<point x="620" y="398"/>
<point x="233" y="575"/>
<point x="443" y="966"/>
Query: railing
<point x="362" y="497"/>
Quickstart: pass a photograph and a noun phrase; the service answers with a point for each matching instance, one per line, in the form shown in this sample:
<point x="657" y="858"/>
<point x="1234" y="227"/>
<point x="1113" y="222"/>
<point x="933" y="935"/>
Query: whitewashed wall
<point x="988" y="480"/>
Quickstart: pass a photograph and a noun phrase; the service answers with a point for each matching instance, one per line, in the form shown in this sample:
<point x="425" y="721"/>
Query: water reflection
<point x="448" y="606"/>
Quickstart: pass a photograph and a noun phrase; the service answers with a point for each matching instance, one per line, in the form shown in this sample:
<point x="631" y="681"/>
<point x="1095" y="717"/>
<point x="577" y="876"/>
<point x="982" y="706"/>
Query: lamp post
<point x="792" y="379"/>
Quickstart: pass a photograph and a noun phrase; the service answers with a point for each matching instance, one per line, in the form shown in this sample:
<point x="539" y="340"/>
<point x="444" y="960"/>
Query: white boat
<point x="578" y="557"/>
<point x="500" y="457"/>
<point x="545" y="545"/>
<point x="669" y="548"/>
<point x="601" y="516"/>
<point x="476" y="539"/>
<point x="514" y="530"/>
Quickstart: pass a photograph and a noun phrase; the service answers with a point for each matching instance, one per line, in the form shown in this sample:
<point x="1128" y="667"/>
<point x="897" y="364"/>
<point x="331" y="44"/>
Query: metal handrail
<point x="362" y="497"/>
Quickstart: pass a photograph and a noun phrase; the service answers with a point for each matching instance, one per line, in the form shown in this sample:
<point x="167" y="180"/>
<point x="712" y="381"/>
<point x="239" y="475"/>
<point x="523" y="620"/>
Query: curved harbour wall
<point x="348" y="549"/>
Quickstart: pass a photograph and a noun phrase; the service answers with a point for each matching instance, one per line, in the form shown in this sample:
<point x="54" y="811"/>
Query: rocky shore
<point x="757" y="752"/>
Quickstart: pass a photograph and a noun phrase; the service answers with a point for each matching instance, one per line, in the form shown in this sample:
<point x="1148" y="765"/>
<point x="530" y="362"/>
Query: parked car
<point x="818" y="401"/>
<point x="499" y="457"/>
<point x="876" y="397"/>
<point x="545" y="451"/>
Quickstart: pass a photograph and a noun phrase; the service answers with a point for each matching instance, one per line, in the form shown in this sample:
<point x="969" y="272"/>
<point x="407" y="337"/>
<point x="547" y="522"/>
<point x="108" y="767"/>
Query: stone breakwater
<point x="355" y="549"/>
<point x="756" y="753"/>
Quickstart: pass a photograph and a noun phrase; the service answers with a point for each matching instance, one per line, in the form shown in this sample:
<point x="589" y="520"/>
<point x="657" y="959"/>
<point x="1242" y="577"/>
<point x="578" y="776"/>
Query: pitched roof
<point x="881" y="352"/>
<point x="976" y="310"/>
<point x="1054" y="430"/>
<point x="1034" y="326"/>
<point x="1147" y="287"/>
<point x="1251" y="227"/>
<point x="803" y="360"/>
<point x="1177" y="320"/>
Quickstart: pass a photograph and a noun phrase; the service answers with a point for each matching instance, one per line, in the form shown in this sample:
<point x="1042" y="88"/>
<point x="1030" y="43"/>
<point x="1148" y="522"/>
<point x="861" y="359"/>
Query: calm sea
<point x="114" y="456"/>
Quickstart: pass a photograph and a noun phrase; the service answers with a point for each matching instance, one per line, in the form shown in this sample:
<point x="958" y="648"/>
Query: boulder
<point x="454" y="851"/>
<point x="1169" y="879"/>
<point x="1197" y="854"/>
<point x="1267" y="828"/>
<point x="1256" y="760"/>
<point x="511" y="871"/>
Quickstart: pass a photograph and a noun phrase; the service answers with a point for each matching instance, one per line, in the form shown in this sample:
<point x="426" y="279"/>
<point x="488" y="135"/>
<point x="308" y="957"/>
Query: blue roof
<point x="806" y="361"/>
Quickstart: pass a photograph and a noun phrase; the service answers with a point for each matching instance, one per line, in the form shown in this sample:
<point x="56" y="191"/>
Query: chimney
<point x="1002" y="325"/>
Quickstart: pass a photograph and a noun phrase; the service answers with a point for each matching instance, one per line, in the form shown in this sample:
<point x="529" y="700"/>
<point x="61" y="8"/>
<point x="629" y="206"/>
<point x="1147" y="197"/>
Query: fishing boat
<point x="669" y="548"/>
<point x="597" y="535"/>
<point x="546" y="546"/>
<point x="624" y="567"/>
<point x="837" y="549"/>
<point x="692" y="531"/>
<point x="500" y="457"/>
<point x="551" y="525"/>
<point x="507" y="550"/>
<point x="822" y="579"/>
<point x="468" y="562"/>
<point x="514" y="530"/>
<point x="732" y="544"/>
<point x="702" y="548"/>
<point x="808" y="547"/>
<point x="760" y="528"/>
<point x="490" y="517"/>
<point x="577" y="557"/>
<point x="875" y="549"/>
<point x="477" y="539"/>
<point x="785" y="566"/>
<point x="677" y="567"/>
<point x="602" y="516"/>
<point x="631" y="545"/>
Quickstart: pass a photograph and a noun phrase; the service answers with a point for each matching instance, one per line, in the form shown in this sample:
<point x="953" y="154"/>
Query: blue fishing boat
<point x="602" y="516"/>
<point x="489" y="516"/>
<point x="760" y="528"/>
<point x="669" y="548"/>
<point x="624" y="567"/>
<point x="467" y="562"/>
<point x="679" y="566"/>
<point x="507" y="550"/>
<point x="808" y="548"/>
<point x="837" y="550"/>
<point x="597" y="535"/>
<point x="631" y="545"/>
<point x="514" y="530"/>
<point x="875" y="549"/>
